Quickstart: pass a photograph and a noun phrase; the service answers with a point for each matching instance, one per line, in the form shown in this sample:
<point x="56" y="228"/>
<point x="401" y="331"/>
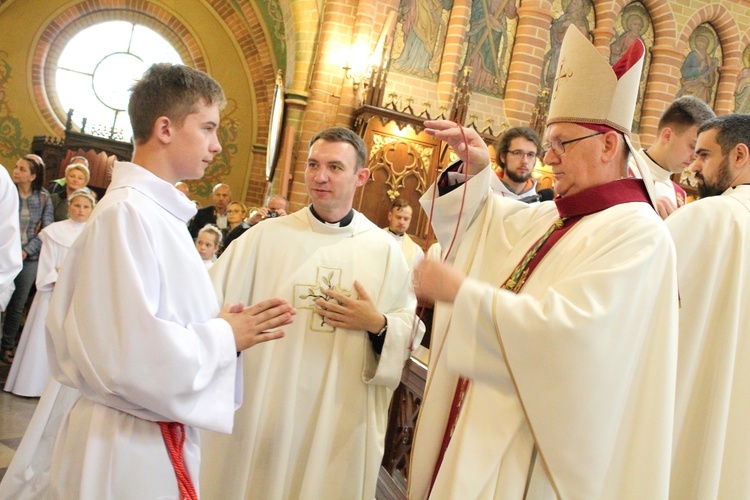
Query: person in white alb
<point x="133" y="325"/>
<point x="673" y="150"/>
<point x="10" y="250"/>
<point x="29" y="373"/>
<point x="399" y="220"/>
<point x="316" y="402"/>
<point x="554" y="346"/>
<point x="712" y="237"/>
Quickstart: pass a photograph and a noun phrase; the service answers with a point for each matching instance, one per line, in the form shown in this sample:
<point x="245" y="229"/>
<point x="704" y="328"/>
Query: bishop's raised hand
<point x="469" y="145"/>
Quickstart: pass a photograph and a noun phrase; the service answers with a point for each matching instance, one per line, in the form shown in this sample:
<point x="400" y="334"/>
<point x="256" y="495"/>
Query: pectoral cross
<point x="327" y="278"/>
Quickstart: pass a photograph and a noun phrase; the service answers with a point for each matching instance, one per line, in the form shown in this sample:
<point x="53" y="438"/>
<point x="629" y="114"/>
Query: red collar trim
<point x="598" y="198"/>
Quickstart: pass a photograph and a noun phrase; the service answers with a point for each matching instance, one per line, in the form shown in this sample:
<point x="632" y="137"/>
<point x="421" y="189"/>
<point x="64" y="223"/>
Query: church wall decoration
<point x="419" y="37"/>
<point x="742" y="91"/>
<point x="634" y="23"/>
<point x="700" y="68"/>
<point x="489" y="44"/>
<point x="579" y="13"/>
<point x="219" y="169"/>
<point x="13" y="144"/>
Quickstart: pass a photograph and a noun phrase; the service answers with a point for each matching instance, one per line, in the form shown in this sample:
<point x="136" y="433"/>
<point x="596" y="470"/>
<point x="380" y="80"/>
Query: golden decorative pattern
<point x="383" y="154"/>
<point x="326" y="278"/>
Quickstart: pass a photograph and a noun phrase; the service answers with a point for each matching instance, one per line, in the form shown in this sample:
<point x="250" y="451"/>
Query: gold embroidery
<point x="327" y="278"/>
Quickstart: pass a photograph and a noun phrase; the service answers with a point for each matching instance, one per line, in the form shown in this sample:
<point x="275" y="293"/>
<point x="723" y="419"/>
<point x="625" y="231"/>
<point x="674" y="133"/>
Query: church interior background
<point x="380" y="67"/>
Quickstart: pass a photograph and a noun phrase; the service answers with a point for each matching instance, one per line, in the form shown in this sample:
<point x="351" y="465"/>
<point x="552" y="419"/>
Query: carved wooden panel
<point x="402" y="419"/>
<point x="402" y="163"/>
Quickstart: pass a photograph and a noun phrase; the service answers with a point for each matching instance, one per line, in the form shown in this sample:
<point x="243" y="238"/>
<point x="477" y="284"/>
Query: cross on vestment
<point x="326" y="278"/>
<point x="561" y="75"/>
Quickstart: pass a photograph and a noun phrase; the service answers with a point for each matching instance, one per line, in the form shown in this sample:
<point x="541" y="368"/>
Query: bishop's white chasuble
<point x="572" y="379"/>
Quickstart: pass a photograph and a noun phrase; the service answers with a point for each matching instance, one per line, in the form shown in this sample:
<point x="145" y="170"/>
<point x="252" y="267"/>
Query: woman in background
<point x="76" y="177"/>
<point x="35" y="213"/>
<point x="236" y="225"/>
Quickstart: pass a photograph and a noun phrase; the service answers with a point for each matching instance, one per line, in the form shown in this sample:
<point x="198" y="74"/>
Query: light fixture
<point x="358" y="65"/>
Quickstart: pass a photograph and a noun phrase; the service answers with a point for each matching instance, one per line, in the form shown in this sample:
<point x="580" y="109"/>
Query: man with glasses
<point x="553" y="356"/>
<point x="517" y="151"/>
<point x="712" y="238"/>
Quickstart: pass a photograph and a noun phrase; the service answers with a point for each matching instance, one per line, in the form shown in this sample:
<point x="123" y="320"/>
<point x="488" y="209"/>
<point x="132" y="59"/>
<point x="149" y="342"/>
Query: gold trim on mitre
<point x="587" y="90"/>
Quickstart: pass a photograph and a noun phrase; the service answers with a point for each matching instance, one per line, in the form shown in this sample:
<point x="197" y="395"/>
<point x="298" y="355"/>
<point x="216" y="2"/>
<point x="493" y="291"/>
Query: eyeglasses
<point x="558" y="147"/>
<point x="520" y="154"/>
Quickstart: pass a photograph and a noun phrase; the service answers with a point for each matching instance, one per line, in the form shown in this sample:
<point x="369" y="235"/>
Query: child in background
<point x="207" y="244"/>
<point x="29" y="373"/>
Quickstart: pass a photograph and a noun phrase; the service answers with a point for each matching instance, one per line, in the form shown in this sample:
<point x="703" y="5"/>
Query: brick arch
<point x="724" y="24"/>
<point x="662" y="17"/>
<point x="729" y="37"/>
<point x="246" y="27"/>
<point x="71" y="21"/>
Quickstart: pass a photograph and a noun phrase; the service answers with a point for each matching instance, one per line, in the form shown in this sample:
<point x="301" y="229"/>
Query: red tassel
<point x="174" y="438"/>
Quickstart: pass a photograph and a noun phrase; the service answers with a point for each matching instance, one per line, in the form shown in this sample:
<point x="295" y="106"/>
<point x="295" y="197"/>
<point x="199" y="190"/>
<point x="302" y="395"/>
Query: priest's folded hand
<point x="255" y="324"/>
<point x="664" y="206"/>
<point x="354" y="313"/>
<point x="435" y="281"/>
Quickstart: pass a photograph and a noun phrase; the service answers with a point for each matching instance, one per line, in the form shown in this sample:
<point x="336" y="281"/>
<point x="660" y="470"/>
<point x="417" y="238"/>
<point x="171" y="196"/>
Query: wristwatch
<point x="384" y="329"/>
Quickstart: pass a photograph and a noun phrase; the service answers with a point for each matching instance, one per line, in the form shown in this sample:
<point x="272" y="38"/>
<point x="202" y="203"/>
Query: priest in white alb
<point x="399" y="220"/>
<point x="554" y="344"/>
<point x="712" y="238"/>
<point x="314" y="416"/>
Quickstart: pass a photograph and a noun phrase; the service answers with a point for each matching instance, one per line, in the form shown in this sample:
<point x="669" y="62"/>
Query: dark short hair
<point x="730" y="129"/>
<point x="400" y="203"/>
<point x="37" y="168"/>
<point x="341" y="134"/>
<point x="503" y="144"/>
<point x="685" y="112"/>
<point x="170" y="90"/>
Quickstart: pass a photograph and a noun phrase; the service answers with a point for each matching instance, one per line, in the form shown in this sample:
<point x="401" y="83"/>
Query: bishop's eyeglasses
<point x="558" y="147"/>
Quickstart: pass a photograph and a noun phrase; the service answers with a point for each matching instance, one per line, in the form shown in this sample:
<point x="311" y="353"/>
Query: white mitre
<point x="589" y="92"/>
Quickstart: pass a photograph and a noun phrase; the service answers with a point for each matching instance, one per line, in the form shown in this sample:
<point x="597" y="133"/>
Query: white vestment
<point x="29" y="373"/>
<point x="412" y="252"/>
<point x="314" y="416"/>
<point x="663" y="185"/>
<point x="132" y="326"/>
<point x="10" y="238"/>
<point x="712" y="435"/>
<point x="27" y="476"/>
<point x="576" y="362"/>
